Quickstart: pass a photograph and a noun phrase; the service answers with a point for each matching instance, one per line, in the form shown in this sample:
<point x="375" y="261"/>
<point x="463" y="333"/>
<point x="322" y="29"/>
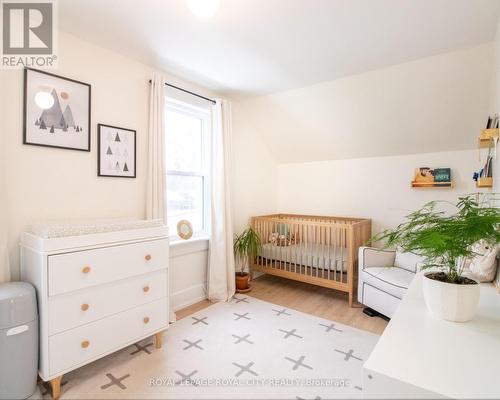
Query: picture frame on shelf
<point x="116" y="152"/>
<point x="56" y="111"/>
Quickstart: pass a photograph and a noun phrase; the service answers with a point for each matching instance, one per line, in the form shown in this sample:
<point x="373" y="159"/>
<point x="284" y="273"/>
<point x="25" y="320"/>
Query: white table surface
<point x="457" y="360"/>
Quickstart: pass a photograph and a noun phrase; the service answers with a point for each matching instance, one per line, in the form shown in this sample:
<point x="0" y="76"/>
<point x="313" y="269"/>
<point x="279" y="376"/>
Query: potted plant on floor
<point x="246" y="247"/>
<point x="446" y="240"/>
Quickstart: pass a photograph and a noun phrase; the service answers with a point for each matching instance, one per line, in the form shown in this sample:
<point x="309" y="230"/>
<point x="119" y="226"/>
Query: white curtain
<point x="155" y="205"/>
<point x="221" y="284"/>
<point x="156" y="185"/>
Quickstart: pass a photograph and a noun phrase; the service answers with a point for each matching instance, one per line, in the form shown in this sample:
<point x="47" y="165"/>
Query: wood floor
<point x="322" y="302"/>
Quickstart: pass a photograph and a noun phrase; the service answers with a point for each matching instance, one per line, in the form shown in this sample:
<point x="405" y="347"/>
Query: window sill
<point x="179" y="247"/>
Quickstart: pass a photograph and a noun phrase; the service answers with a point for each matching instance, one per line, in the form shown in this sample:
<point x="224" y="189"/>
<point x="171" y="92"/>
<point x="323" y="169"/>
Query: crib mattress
<point x="313" y="255"/>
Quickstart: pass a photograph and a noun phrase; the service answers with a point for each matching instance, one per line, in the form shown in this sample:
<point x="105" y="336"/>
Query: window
<point x="187" y="165"/>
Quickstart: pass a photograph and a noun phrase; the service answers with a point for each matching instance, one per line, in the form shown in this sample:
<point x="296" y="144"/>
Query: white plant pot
<point x="449" y="301"/>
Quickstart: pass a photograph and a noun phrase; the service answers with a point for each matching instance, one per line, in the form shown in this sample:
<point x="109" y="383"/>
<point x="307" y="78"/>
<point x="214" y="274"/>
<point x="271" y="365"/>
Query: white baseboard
<point x="186" y="297"/>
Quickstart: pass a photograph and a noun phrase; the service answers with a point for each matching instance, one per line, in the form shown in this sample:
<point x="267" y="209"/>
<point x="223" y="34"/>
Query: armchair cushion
<point x="391" y="280"/>
<point x="370" y="257"/>
<point x="409" y="261"/>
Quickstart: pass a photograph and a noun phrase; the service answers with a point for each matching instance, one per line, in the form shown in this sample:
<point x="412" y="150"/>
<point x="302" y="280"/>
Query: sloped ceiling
<point x="254" y="47"/>
<point x="429" y="105"/>
<point x="320" y="79"/>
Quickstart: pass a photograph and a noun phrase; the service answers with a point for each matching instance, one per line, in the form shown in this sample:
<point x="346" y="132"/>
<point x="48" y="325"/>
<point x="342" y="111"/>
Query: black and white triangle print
<point x="117" y="151"/>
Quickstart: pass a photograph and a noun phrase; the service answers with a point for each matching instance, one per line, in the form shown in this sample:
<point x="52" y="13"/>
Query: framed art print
<point x="56" y="111"/>
<point x="116" y="151"/>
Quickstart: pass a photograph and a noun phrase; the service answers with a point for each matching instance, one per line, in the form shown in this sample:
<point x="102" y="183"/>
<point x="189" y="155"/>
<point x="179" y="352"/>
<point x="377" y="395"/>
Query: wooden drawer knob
<point x="84" y="307"/>
<point x="145" y="289"/>
<point x="85" y="344"/>
<point x="147" y="257"/>
<point x="86" y="269"/>
<point x="146" y="320"/>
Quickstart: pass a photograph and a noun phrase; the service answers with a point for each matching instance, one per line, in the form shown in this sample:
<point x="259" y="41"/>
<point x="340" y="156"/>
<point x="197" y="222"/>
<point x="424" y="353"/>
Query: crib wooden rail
<point x="319" y="250"/>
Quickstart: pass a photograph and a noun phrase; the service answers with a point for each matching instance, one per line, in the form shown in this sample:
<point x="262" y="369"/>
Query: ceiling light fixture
<point x="203" y="8"/>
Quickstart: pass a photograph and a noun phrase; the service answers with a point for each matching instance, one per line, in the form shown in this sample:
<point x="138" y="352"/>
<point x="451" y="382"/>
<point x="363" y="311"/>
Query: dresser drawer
<point x="70" y="310"/>
<point x="72" y="271"/>
<point x="78" y="346"/>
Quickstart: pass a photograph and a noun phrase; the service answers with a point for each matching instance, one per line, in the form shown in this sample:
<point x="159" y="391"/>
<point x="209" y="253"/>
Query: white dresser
<point x="421" y="357"/>
<point x="97" y="293"/>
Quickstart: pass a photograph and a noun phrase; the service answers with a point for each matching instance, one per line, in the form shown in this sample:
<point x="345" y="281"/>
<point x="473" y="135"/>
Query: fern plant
<point x="446" y="239"/>
<point x="246" y="246"/>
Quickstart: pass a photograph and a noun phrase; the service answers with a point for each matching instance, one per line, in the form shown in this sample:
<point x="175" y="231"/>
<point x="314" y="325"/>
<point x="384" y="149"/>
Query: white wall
<point x="495" y="108"/>
<point x="188" y="273"/>
<point x="432" y="104"/>
<point x="495" y="97"/>
<point x="253" y="174"/>
<point x="53" y="184"/>
<point x="376" y="188"/>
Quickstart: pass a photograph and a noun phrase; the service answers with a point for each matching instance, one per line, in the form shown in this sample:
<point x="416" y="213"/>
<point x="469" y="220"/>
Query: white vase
<point x="449" y="301"/>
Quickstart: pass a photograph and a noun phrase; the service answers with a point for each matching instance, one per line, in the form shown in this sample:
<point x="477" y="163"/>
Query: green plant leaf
<point x="246" y="246"/>
<point x="443" y="237"/>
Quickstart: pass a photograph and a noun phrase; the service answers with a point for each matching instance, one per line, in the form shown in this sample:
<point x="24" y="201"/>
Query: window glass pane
<point x="183" y="141"/>
<point x="185" y="201"/>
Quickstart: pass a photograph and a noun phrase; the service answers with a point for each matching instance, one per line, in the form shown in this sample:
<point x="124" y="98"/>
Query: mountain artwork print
<point x="56" y="111"/>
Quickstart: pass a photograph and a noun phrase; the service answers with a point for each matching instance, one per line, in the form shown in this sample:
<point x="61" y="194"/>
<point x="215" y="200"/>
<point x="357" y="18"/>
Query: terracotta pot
<point x="241" y="281"/>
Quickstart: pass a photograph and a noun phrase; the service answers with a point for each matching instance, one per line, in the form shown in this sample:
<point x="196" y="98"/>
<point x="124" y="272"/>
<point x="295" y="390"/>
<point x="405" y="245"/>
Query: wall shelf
<point x="485" y="182"/>
<point x="486" y="136"/>
<point x="432" y="185"/>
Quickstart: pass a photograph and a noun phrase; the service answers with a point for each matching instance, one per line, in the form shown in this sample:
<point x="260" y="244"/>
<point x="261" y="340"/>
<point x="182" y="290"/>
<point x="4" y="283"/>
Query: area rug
<point x="245" y="349"/>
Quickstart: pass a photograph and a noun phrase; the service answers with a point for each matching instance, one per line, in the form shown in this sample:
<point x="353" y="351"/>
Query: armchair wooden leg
<point x="55" y="384"/>
<point x="158" y="339"/>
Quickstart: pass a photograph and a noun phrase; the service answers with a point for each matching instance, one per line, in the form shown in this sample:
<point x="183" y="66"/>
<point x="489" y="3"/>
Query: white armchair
<point x="384" y="277"/>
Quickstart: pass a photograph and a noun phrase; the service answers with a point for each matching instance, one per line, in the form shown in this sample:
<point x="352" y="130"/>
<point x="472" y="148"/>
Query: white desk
<point x="420" y="356"/>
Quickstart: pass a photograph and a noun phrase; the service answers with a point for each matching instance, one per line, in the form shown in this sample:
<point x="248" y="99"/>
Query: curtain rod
<point x="187" y="91"/>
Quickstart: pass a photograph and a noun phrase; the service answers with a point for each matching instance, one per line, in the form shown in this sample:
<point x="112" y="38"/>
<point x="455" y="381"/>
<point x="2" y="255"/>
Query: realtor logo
<point x="28" y="34"/>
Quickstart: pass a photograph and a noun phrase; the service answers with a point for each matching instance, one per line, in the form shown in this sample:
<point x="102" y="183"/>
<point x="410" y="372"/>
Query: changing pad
<point x="64" y="229"/>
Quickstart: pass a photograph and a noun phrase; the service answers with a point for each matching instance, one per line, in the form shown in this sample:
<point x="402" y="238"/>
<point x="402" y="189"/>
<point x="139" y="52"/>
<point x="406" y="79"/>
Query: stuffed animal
<point x="280" y="239"/>
<point x="273" y="238"/>
<point x="295" y="238"/>
<point x="483" y="265"/>
<point x="283" y="240"/>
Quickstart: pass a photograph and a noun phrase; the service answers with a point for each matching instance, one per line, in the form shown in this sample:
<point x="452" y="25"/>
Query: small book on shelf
<point x="493" y="121"/>
<point x="428" y="177"/>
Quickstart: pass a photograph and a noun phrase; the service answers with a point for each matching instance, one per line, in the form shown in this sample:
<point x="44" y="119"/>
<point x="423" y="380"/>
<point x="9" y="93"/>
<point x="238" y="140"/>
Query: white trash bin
<point x="18" y="340"/>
